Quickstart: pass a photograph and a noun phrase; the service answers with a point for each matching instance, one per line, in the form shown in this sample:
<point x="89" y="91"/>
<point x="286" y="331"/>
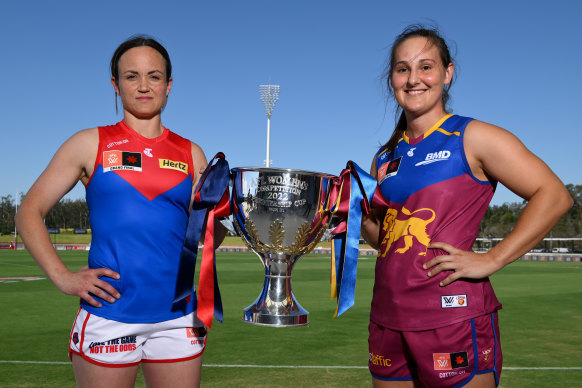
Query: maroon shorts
<point x="444" y="357"/>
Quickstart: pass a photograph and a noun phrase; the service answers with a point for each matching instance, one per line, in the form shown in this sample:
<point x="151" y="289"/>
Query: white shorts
<point x="116" y="344"/>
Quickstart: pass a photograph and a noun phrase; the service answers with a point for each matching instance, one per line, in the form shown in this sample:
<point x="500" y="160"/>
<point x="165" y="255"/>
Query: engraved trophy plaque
<point x="280" y="216"/>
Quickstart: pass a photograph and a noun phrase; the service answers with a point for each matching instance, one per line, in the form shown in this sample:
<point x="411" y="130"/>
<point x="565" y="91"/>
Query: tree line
<point x="66" y="213"/>
<point x="498" y="220"/>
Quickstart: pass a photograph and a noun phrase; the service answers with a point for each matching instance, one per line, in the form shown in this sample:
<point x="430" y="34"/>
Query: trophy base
<point x="276" y="306"/>
<point x="254" y="316"/>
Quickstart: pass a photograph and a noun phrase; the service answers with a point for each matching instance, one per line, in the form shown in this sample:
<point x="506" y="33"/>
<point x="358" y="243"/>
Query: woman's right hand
<point x="85" y="283"/>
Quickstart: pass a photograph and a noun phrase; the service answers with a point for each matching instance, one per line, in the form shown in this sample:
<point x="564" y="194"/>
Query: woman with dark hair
<point x="139" y="178"/>
<point x="433" y="318"/>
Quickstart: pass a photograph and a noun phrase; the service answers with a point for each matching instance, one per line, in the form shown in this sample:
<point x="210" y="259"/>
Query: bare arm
<point x="200" y="164"/>
<point x="71" y="163"/>
<point x="371" y="222"/>
<point x="494" y="152"/>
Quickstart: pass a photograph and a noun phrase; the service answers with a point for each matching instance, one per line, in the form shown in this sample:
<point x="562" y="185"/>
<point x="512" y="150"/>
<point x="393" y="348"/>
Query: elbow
<point x="565" y="201"/>
<point x="368" y="240"/>
<point x="569" y="202"/>
<point x="23" y="217"/>
<point x="18" y="220"/>
<point x="556" y="197"/>
<point x="370" y="233"/>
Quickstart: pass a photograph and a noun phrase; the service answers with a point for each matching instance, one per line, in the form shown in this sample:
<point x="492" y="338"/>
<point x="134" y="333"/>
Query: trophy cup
<point x="280" y="215"/>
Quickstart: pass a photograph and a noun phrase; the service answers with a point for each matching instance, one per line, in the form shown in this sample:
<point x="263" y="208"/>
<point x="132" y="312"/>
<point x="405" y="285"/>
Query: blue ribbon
<point x="187" y="266"/>
<point x="209" y="191"/>
<point x="346" y="243"/>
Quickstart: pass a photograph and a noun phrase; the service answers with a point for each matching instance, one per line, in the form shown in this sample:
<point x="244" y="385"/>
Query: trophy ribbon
<point x="211" y="200"/>
<point x="350" y="198"/>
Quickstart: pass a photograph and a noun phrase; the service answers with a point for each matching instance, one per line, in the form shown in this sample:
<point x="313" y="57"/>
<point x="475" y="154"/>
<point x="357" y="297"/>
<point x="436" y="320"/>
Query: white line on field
<point x="542" y="368"/>
<point x="288" y="366"/>
<point x="34" y="362"/>
<point x="19" y="265"/>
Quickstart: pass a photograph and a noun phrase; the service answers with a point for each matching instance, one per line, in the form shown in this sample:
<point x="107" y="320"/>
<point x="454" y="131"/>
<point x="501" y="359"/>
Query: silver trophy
<point x="280" y="215"/>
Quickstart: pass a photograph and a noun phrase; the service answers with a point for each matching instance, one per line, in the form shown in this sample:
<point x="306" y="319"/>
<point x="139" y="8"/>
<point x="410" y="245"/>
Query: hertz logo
<point x="179" y="166"/>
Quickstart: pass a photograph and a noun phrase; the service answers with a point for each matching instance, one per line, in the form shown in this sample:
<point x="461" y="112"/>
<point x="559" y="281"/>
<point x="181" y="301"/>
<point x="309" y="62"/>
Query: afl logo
<point x="75" y="338"/>
<point x="453" y="301"/>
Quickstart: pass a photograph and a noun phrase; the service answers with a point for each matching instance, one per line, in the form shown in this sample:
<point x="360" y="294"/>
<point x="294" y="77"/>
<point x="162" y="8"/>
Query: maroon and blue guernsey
<point x="433" y="196"/>
<point x="138" y="199"/>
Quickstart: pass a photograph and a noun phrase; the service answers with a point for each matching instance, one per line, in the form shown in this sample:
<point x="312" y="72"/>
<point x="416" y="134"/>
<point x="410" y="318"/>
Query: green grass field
<point x="541" y="326"/>
<point x="71" y="238"/>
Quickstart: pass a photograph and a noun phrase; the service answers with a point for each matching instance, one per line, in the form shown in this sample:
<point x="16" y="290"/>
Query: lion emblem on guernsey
<point x="408" y="229"/>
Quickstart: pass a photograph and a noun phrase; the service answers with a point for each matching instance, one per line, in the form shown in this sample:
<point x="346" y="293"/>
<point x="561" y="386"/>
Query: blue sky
<point x="518" y="67"/>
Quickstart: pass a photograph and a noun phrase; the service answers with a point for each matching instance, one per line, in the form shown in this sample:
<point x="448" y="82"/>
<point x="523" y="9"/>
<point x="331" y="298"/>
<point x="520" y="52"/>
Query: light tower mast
<point x="269" y="96"/>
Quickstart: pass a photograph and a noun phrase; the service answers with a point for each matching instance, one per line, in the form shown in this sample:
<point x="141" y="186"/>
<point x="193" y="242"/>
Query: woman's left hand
<point x="464" y="264"/>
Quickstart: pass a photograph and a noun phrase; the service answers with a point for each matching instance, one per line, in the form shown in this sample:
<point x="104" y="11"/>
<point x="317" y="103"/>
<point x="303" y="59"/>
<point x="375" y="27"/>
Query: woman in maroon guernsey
<point x="433" y="319"/>
<point x="139" y="178"/>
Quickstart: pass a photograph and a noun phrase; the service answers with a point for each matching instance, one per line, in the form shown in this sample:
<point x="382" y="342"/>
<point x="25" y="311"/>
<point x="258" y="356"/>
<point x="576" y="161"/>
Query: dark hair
<point x="139" y="41"/>
<point x="435" y="39"/>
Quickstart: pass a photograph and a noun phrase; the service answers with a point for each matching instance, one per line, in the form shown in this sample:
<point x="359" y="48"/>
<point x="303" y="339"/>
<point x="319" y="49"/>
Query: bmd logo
<point x="435" y="157"/>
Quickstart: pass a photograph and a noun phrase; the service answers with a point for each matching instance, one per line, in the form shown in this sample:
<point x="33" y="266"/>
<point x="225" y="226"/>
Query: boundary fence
<point x="530" y="256"/>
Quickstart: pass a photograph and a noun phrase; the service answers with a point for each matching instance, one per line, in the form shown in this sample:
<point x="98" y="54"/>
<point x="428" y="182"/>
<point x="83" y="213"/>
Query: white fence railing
<point x="530" y="256"/>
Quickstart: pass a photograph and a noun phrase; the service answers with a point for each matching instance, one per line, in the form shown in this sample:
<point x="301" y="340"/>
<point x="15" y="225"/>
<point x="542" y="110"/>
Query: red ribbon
<point x="206" y="283"/>
<point x="207" y="193"/>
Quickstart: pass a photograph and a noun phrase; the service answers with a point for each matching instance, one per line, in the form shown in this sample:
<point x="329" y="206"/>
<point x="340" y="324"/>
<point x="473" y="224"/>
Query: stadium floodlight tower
<point x="269" y="96"/>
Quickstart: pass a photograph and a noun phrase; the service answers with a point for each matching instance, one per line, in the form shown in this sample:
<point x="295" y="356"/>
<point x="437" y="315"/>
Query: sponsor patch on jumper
<point x="435" y="157"/>
<point x="389" y="169"/>
<point x="121" y="160"/>
<point x="450" y="361"/>
<point x="453" y="301"/>
<point x="173" y="165"/>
